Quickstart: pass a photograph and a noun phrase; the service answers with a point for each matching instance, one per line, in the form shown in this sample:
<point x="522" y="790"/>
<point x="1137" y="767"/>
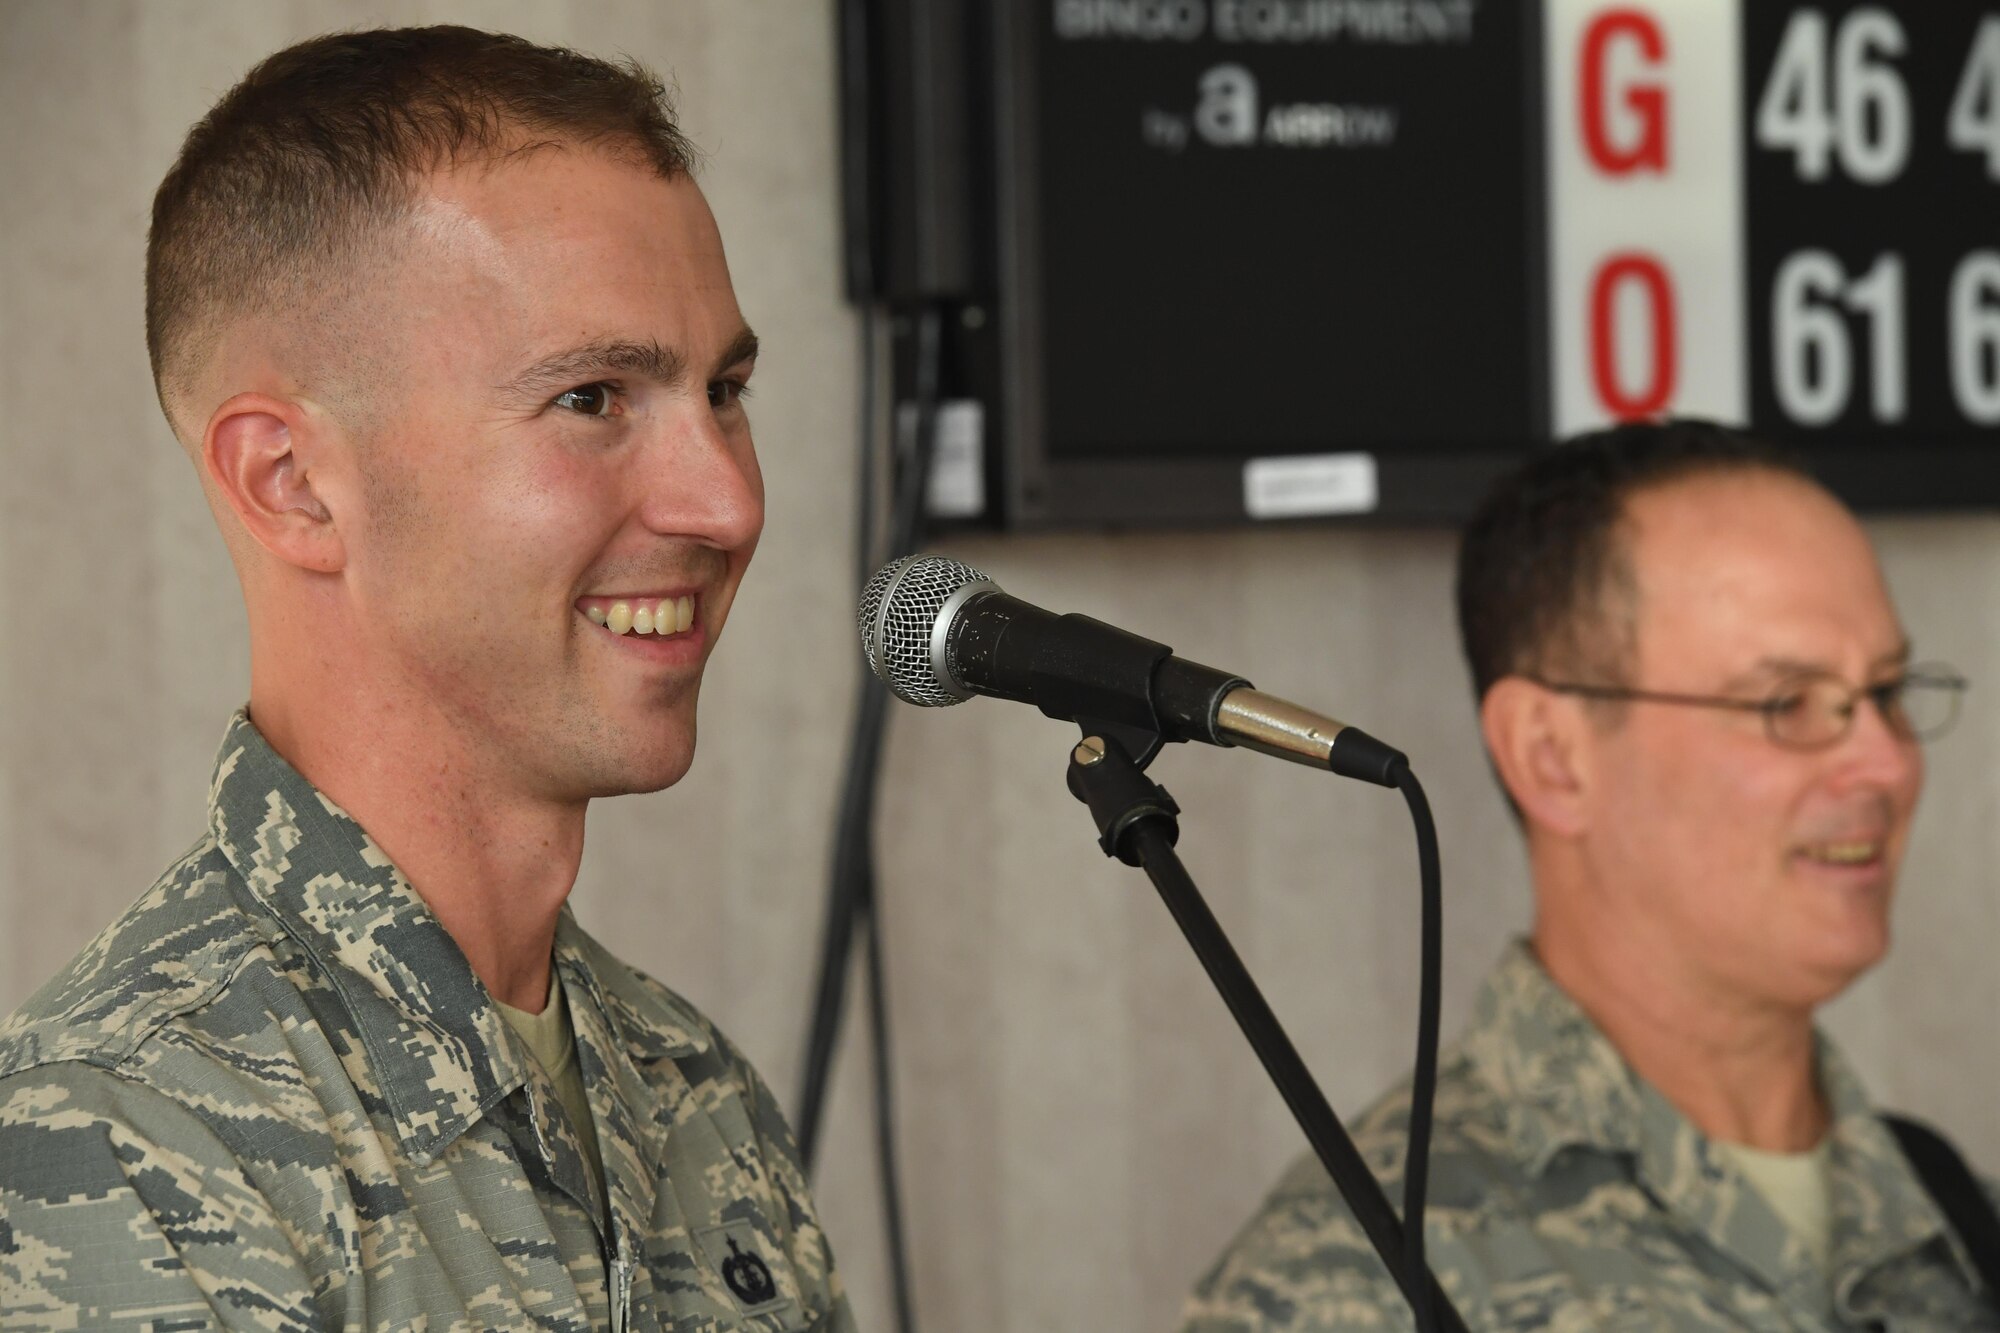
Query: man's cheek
<point x="558" y="501"/>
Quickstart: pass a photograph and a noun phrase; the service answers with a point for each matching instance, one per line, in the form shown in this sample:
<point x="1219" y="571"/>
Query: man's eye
<point x="726" y="393"/>
<point x="1788" y="704"/>
<point x="590" y="400"/>
<point x="1889" y="694"/>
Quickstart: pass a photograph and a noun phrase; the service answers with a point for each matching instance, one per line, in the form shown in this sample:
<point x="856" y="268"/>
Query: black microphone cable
<point x="1423" y="1079"/>
<point x="852" y="901"/>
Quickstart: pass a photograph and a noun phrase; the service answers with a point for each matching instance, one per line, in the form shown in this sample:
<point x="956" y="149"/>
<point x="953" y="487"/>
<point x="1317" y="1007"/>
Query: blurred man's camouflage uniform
<point x="1567" y="1194"/>
<point x="275" y="1096"/>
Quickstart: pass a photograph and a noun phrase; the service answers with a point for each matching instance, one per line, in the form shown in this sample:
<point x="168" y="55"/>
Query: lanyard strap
<point x="1957" y="1193"/>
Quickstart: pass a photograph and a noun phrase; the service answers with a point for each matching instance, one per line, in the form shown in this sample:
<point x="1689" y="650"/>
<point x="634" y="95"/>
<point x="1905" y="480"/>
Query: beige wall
<point x="1082" y="1126"/>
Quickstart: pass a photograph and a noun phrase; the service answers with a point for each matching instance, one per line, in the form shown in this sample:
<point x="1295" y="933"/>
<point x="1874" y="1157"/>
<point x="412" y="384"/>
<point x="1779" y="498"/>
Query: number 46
<point x="1866" y="122"/>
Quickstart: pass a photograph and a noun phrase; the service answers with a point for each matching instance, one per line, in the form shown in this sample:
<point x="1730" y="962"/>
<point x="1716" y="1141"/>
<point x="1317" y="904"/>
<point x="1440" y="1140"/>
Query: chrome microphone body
<point x="939" y="632"/>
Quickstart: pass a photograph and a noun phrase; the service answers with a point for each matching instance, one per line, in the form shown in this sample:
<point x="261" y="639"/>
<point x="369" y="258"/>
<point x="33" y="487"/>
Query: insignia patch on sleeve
<point x="742" y="1257"/>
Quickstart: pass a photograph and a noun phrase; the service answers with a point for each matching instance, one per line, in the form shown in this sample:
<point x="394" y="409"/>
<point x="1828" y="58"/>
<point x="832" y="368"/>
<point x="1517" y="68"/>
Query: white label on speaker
<point x="958" y="470"/>
<point x="1307" y="485"/>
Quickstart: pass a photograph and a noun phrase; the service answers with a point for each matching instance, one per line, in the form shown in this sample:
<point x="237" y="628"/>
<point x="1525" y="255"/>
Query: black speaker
<point x="914" y="128"/>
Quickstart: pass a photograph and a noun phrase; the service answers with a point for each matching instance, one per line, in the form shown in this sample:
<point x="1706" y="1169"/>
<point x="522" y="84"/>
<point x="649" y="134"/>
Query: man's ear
<point x="259" y="452"/>
<point x="1541" y="744"/>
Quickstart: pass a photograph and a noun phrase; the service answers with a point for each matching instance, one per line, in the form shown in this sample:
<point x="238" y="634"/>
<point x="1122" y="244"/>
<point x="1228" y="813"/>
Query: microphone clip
<point x="1105" y="776"/>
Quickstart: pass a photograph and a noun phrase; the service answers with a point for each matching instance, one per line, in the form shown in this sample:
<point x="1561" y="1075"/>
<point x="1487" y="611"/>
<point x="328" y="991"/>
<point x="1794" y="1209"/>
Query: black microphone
<point x="938" y="632"/>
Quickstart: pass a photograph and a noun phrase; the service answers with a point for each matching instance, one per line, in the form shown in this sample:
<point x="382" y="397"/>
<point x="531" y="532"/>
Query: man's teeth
<point x="1845" y="853"/>
<point x="668" y="615"/>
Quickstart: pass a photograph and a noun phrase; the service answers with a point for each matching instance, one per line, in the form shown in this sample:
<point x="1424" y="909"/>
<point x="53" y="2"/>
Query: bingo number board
<point x="1284" y="258"/>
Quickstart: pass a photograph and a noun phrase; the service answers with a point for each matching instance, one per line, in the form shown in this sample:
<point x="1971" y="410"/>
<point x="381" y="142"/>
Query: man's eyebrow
<point x="1794" y="666"/>
<point x="743" y="347"/>
<point x="650" y="359"/>
<point x="1897" y="656"/>
<point x="577" y="365"/>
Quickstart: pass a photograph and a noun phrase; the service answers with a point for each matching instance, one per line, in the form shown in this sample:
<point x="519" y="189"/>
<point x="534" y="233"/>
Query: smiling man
<point x="445" y="325"/>
<point x="1701" y="703"/>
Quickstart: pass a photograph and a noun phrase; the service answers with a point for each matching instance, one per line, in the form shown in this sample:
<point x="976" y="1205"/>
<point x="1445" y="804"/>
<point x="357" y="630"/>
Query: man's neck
<point x="493" y="865"/>
<point x="1741" y="1071"/>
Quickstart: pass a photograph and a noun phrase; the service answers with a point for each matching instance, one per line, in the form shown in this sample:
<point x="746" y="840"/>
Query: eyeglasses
<point x="1815" y="709"/>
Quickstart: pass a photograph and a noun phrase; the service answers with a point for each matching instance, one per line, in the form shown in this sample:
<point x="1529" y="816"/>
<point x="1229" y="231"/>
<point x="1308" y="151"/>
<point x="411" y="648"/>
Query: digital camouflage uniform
<point x="274" y="1096"/>
<point x="1567" y="1194"/>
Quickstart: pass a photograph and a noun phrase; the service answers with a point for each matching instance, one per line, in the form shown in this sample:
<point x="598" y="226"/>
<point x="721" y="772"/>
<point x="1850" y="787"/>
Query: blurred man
<point x="446" y="327"/>
<point x="1699" y="699"/>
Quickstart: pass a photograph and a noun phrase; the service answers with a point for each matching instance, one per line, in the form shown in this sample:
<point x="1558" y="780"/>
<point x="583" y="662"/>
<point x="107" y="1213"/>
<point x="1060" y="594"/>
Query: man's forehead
<point x="562" y="249"/>
<point x="1736" y="568"/>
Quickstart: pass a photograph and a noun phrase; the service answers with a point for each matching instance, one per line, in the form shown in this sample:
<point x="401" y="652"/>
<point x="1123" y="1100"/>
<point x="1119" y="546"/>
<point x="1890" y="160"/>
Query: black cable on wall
<point x="852" y="901"/>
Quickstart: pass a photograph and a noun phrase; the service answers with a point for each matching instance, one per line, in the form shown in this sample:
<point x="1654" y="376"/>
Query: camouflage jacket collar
<point x="434" y="1048"/>
<point x="1562" y="1082"/>
<point x="613" y="1043"/>
<point x="1564" y="1085"/>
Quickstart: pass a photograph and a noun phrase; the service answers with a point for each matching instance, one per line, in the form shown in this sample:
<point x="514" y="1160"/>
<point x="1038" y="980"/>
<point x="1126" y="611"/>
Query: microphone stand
<point x="1137" y="822"/>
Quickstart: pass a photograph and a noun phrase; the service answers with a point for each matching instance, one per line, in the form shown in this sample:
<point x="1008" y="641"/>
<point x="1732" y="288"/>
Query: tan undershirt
<point x="1795" y="1185"/>
<point x="549" y="1035"/>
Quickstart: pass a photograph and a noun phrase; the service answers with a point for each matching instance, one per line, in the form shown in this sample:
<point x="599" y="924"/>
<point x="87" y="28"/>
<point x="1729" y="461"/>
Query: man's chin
<point x="633" y="764"/>
<point x="651" y="774"/>
<point x="1838" y="963"/>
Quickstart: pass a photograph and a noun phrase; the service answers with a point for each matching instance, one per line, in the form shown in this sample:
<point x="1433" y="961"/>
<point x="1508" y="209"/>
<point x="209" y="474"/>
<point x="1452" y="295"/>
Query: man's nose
<point x="1878" y="749"/>
<point x="701" y="481"/>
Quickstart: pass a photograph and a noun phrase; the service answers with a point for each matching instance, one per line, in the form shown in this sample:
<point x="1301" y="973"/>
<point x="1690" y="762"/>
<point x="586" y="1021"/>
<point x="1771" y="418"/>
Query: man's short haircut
<point x="1545" y="584"/>
<point x="280" y="188"/>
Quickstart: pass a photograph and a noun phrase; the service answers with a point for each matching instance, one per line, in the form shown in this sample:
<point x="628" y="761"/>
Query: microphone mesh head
<point x="899" y="609"/>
